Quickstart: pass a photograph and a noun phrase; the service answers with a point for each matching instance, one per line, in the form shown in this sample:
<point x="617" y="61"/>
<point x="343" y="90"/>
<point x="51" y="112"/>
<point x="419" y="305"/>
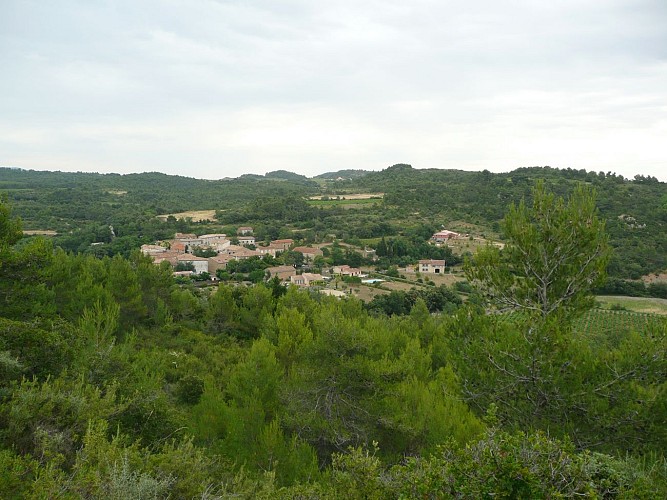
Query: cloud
<point x="217" y="88"/>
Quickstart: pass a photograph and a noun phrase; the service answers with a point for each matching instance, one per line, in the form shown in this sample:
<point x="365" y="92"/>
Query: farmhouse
<point x="432" y="266"/>
<point x="243" y="230"/>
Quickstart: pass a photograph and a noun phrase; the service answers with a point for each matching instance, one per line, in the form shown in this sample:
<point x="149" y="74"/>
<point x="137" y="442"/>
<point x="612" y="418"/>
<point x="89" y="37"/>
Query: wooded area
<point x="117" y="381"/>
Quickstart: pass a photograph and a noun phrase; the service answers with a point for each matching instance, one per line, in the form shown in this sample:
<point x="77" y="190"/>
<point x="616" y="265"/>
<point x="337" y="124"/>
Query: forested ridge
<point x="119" y="382"/>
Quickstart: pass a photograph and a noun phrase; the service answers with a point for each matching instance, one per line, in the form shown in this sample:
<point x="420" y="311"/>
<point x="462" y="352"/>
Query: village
<point x="207" y="257"/>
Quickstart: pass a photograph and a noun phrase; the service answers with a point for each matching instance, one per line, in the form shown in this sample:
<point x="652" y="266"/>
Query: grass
<point x="633" y="304"/>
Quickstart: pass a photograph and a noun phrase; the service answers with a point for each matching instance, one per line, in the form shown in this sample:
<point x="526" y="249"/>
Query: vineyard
<point x="605" y="322"/>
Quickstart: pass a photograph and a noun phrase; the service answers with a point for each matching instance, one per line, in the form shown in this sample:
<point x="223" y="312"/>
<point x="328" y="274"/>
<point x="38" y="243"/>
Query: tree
<point x="556" y="251"/>
<point x="10" y="227"/>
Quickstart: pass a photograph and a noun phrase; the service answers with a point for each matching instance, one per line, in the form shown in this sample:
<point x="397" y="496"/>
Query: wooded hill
<point x="82" y="206"/>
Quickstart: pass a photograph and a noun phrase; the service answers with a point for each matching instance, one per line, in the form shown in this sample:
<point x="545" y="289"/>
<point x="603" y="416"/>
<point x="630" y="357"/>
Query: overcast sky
<point x="214" y="89"/>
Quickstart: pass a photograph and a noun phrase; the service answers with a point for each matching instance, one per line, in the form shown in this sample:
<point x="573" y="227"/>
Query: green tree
<point x="555" y="252"/>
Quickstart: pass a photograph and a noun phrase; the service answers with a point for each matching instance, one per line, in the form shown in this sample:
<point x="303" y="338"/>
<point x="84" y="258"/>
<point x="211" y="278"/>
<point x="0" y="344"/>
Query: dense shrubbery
<point x="117" y="382"/>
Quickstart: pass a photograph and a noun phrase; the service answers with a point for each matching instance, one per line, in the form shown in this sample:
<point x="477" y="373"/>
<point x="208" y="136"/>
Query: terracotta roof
<point x="307" y="250"/>
<point x="185" y="257"/>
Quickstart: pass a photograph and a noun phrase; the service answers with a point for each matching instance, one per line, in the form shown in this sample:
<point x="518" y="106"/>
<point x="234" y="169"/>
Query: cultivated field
<point x="605" y="322"/>
<point x="195" y="215"/>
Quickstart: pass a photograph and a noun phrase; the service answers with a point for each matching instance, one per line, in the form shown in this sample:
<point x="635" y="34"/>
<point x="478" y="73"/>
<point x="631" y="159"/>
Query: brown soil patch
<point x="655" y="278"/>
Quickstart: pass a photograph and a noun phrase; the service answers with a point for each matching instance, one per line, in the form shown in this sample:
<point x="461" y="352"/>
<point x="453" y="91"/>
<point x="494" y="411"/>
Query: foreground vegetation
<point x="117" y="382"/>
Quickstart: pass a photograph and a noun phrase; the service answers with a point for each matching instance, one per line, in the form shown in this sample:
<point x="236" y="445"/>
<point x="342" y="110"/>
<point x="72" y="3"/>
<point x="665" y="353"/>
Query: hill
<point x="415" y="201"/>
<point x="342" y="175"/>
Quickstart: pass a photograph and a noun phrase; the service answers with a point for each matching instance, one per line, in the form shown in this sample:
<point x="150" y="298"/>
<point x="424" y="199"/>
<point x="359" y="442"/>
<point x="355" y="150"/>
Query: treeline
<point x="117" y="382"/>
<point x="615" y="286"/>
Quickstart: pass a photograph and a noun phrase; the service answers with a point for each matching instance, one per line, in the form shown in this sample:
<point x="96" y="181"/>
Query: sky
<point x="215" y="88"/>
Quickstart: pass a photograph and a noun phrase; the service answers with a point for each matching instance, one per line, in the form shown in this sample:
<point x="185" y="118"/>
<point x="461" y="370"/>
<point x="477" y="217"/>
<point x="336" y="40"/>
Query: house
<point x="189" y="243"/>
<point x="444" y="235"/>
<point x="346" y="270"/>
<point x="220" y="245"/>
<point x="243" y="230"/>
<point x="199" y="263"/>
<point x="240" y="253"/>
<point x="177" y="246"/>
<point x="218" y="262"/>
<point x="272" y="251"/>
<point x="188" y="239"/>
<point x="282" y="244"/>
<point x="369" y="253"/>
<point x="152" y="249"/>
<point x="309" y="253"/>
<point x="215" y="241"/>
<point x="207" y="239"/>
<point x="282" y="272"/>
<point x="432" y="266"/>
<point x="305" y="279"/>
<point x="169" y="256"/>
<point x="246" y="240"/>
<point x="185" y="236"/>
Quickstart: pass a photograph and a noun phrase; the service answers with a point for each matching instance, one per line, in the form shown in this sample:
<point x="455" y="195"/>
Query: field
<point x="634" y="304"/>
<point x="462" y="245"/>
<point x="195" y="215"/>
<point x="606" y="322"/>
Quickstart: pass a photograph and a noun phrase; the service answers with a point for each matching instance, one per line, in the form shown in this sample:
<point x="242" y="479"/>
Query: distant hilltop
<point x="342" y="174"/>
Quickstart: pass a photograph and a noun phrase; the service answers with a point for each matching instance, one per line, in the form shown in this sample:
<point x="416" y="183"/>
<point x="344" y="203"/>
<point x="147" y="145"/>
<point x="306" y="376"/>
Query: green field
<point x="611" y="323"/>
<point x="602" y="321"/>
<point x="634" y="304"/>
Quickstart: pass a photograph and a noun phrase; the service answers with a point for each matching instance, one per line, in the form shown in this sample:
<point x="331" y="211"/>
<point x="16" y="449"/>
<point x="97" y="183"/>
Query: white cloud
<point x="217" y="88"/>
